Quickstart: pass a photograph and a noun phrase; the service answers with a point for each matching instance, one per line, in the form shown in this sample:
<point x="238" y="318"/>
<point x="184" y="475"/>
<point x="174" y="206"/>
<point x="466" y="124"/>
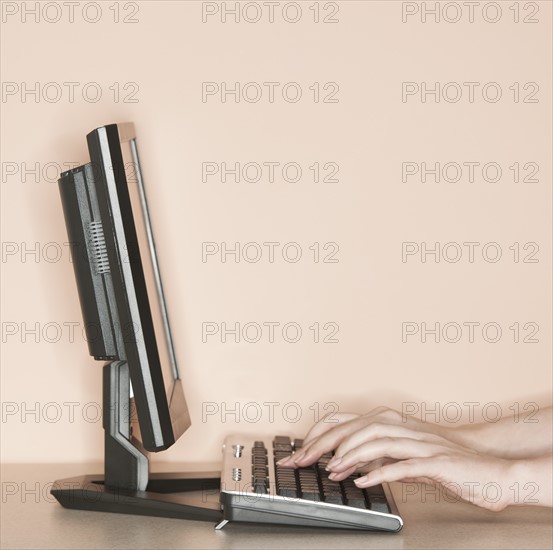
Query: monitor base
<point x="90" y="493"/>
<point x="127" y="487"/>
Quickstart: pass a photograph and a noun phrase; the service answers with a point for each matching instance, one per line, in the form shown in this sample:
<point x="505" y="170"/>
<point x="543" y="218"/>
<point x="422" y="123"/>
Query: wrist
<point x="530" y="481"/>
<point x="472" y="436"/>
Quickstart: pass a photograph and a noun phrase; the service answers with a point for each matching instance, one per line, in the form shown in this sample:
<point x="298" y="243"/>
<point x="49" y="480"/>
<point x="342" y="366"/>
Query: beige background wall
<point x="368" y="132"/>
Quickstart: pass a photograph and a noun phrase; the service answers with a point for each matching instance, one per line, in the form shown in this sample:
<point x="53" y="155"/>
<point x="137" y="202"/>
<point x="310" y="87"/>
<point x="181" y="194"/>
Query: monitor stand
<point x="126" y="486"/>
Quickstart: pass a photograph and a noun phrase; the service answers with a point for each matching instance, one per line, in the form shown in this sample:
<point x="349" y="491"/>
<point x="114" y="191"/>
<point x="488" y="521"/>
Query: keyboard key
<point x="334" y="498"/>
<point x="311" y="494"/>
<point x="290" y="492"/>
<point x="375" y="491"/>
<point x="286" y="482"/>
<point x="379" y="505"/>
<point x="260" y="488"/>
<point x="356" y="502"/>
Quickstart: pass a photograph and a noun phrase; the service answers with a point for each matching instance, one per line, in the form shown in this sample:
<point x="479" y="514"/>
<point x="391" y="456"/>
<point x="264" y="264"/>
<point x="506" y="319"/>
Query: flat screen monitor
<point x="118" y="277"/>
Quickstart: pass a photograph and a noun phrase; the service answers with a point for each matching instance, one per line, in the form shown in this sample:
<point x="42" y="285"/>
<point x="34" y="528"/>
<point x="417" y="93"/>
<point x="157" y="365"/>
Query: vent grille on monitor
<point x="98" y="247"/>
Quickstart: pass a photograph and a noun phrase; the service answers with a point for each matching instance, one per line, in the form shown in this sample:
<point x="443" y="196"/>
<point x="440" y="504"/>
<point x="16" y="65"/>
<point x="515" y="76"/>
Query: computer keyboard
<point x="255" y="489"/>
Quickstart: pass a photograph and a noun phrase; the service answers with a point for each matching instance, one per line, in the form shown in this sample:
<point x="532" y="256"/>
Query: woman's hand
<point x="387" y="447"/>
<point x="331" y="430"/>
<point x="392" y="453"/>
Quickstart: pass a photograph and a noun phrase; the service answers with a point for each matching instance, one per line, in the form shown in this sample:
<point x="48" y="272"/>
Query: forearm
<point x="532" y="482"/>
<point x="510" y="437"/>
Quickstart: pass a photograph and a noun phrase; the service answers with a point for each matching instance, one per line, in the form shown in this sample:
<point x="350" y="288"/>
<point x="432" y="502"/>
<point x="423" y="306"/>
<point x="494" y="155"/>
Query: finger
<point x="405" y="469"/>
<point x="328" y="441"/>
<point x="385" y="422"/>
<point x="386" y="447"/>
<point x="361" y="467"/>
<point x="325" y="424"/>
<point x="378" y="430"/>
<point x="375" y="464"/>
<point x="320" y="440"/>
<point x="339" y="476"/>
<point x="425" y="480"/>
<point x="334" y="476"/>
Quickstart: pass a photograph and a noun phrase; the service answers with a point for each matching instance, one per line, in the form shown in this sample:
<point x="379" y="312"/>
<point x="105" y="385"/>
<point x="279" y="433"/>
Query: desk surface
<point x="31" y="518"/>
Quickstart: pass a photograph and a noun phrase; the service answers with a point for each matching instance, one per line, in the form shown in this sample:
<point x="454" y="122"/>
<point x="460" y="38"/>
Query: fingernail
<point x="360" y="481"/>
<point x="333" y="462"/>
<point x="332" y="476"/>
<point x="303" y="457"/>
<point x="283" y="460"/>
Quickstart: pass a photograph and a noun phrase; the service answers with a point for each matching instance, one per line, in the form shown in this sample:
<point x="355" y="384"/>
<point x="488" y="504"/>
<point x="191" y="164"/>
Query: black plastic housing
<point x="111" y="282"/>
<point x="80" y="208"/>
